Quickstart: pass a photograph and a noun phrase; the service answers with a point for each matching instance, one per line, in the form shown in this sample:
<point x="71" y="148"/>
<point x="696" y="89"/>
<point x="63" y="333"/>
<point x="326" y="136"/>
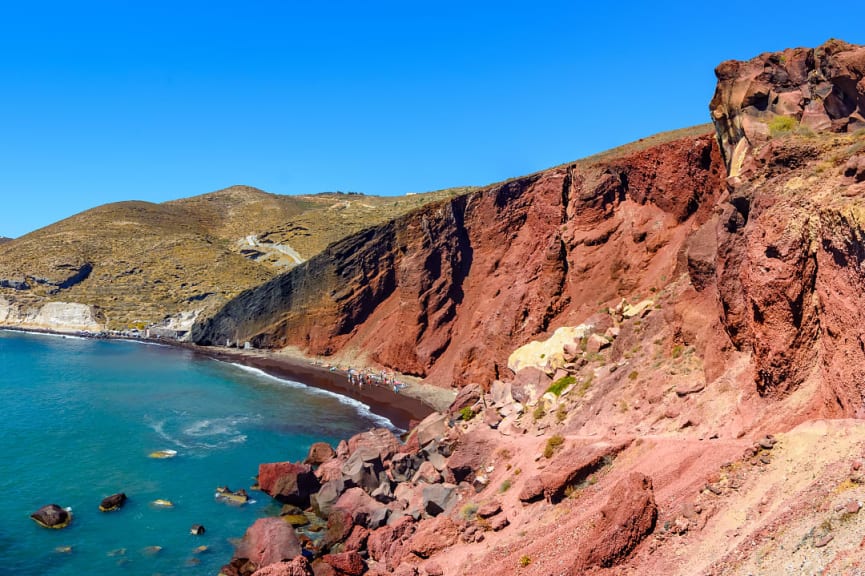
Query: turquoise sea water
<point x="79" y="418"/>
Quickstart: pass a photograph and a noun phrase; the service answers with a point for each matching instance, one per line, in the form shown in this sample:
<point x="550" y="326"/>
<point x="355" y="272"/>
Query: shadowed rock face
<point x="449" y="291"/>
<point x="821" y="88"/>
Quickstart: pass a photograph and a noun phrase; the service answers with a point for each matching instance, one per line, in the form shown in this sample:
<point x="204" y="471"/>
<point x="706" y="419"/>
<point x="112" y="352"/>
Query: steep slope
<point x="441" y="291"/>
<point x="136" y="263"/>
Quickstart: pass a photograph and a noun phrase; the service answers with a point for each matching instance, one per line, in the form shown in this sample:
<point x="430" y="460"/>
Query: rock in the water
<point x="52" y="516"/>
<point x="197" y="530"/>
<point x="113" y="502"/>
<point x="287" y="482"/>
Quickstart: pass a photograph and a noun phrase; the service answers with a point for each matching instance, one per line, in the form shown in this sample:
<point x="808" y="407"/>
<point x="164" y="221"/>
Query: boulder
<point x="319" y="453"/>
<point x="489" y="509"/>
<point x="472" y="452"/>
<point x="346" y="563"/>
<point x="433" y="536"/>
<point x="339" y="525"/>
<point x="537" y="354"/>
<point x="323" y="500"/>
<point x="403" y="466"/>
<point x="288" y="482"/>
<point x="364" y="468"/>
<point x="568" y="468"/>
<point x="387" y="544"/>
<point x="52" y="516"/>
<point x="529" y="383"/>
<point x="330" y="470"/>
<point x="500" y="394"/>
<point x="361" y="506"/>
<point x="298" y="566"/>
<point x="380" y="440"/>
<point x="113" y="502"/>
<point x="356" y="540"/>
<point x="467" y="397"/>
<point x="439" y="498"/>
<point x="595" y="344"/>
<point x="427" y="473"/>
<point x="268" y="541"/>
<point x="628" y="516"/>
<point x="433" y="427"/>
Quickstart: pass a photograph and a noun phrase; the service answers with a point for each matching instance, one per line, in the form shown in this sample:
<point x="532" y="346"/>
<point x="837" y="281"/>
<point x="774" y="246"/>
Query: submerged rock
<point x="52" y="516"/>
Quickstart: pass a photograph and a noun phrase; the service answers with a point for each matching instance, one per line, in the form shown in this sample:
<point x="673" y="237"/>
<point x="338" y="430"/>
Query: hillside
<point x="131" y="264"/>
<point x="658" y="353"/>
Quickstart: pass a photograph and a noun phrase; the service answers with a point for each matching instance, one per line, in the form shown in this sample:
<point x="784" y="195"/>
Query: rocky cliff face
<point x="790" y="232"/>
<point x="447" y="292"/>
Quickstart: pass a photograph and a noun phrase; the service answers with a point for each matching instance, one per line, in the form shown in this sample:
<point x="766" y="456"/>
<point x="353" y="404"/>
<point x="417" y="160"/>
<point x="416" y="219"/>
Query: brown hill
<point x="138" y="262"/>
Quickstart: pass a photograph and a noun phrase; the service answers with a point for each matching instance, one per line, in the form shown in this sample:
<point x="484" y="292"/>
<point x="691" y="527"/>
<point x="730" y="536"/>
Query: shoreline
<point x="415" y="402"/>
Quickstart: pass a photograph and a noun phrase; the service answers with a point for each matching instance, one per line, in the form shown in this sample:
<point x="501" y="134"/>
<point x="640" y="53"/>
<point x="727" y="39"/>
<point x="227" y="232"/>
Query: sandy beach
<point x="413" y="402"/>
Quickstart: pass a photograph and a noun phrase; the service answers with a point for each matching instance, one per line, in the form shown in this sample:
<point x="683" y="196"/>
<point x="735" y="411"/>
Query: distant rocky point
<point x="4" y="239"/>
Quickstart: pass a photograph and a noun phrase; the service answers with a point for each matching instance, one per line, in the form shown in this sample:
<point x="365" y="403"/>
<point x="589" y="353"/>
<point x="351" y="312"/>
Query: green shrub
<point x="539" y="411"/>
<point x="677" y="351"/>
<point x="782" y="125"/>
<point x="559" y="385"/>
<point x="467" y="413"/>
<point x="553" y="444"/>
<point x="505" y="485"/>
<point x="561" y="413"/>
<point x="633" y="375"/>
<point x="525" y="560"/>
<point x="585" y="385"/>
<point x="469" y="510"/>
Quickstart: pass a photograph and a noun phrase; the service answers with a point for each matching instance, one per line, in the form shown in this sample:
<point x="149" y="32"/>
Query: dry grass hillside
<point x="139" y="262"/>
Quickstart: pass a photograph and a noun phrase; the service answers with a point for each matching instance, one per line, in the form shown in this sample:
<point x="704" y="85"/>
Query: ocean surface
<point x="79" y="419"/>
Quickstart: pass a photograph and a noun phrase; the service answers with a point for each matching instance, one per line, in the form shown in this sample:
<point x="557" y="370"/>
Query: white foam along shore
<point x="363" y="409"/>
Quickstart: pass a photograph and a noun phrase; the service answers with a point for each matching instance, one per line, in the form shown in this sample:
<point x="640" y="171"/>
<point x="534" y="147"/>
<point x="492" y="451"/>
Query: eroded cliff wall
<point x="449" y="291"/>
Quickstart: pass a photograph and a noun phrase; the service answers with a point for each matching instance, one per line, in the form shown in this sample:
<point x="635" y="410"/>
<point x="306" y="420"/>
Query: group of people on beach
<point x="371" y="378"/>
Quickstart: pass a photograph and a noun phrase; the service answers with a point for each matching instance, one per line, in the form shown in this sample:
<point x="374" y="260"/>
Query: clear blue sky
<point x="119" y="100"/>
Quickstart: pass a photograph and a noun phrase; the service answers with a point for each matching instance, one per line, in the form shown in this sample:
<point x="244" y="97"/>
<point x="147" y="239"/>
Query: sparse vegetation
<point x="539" y="411"/>
<point x="467" y="413"/>
<point x="469" y="511"/>
<point x="677" y="350"/>
<point x="505" y="485"/>
<point x="559" y="385"/>
<point x="553" y="443"/>
<point x="585" y="384"/>
<point x="633" y="375"/>
<point x="525" y="561"/>
<point x="561" y="413"/>
<point x="780" y="125"/>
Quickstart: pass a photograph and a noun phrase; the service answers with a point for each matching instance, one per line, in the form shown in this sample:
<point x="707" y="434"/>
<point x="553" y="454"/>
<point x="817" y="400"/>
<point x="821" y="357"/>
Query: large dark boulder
<point x="113" y="502"/>
<point x="52" y="516"/>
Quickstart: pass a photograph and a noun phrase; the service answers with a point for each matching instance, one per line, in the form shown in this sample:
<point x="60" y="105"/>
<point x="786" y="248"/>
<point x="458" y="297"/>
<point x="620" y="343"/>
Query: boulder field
<point x="658" y="355"/>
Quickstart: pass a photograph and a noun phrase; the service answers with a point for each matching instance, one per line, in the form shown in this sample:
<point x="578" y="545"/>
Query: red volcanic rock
<point x="357" y="539"/>
<point x="821" y="87"/>
<point x="381" y="440"/>
<point x="288" y="482"/>
<point x="449" y="291"/>
<point x="267" y="541"/>
<point x="568" y="468"/>
<point x="387" y="544"/>
<point x="298" y="566"/>
<point x="433" y="536"/>
<point x="472" y="452"/>
<point x="466" y="398"/>
<point x="346" y="563"/>
<point x="319" y="453"/>
<point x="628" y="516"/>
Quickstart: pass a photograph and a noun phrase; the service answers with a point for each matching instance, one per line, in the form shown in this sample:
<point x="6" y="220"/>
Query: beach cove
<point x="82" y="416"/>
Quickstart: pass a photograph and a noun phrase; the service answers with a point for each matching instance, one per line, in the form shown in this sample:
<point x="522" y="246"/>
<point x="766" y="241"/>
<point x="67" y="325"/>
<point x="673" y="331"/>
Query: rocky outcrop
<point x="267" y="542"/>
<point x="788" y="238"/>
<point x="625" y="520"/>
<point x="54" y="316"/>
<point x="52" y="516"/>
<point x="441" y="291"/>
<point x="819" y="89"/>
